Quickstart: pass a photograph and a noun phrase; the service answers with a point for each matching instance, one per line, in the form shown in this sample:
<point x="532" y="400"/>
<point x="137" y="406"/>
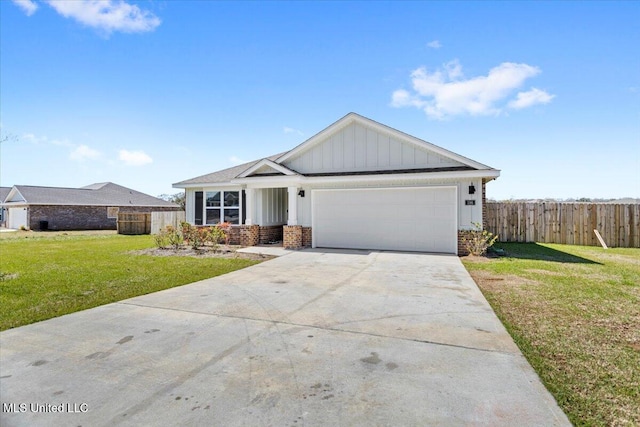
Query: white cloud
<point x="529" y="98"/>
<point x="134" y="158"/>
<point x="235" y="161"/>
<point x="33" y="139"/>
<point x="445" y="92"/>
<point x="28" y="6"/>
<point x="435" y="44"/>
<point x="287" y="129"/>
<point x="107" y="15"/>
<point x="83" y="152"/>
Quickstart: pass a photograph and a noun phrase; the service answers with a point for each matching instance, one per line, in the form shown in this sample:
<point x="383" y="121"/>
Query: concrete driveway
<point x="313" y="338"/>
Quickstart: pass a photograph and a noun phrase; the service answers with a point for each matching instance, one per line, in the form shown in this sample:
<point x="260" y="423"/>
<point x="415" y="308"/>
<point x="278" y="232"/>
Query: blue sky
<point x="148" y="93"/>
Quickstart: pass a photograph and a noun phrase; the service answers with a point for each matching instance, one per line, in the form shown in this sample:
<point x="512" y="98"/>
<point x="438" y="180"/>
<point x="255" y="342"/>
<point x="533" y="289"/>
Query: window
<point x="112" y="212"/>
<point x="222" y="206"/>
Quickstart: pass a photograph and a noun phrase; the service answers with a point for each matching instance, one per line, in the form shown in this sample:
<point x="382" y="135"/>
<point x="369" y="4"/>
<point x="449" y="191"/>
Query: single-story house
<point x="94" y="207"/>
<point x="357" y="184"/>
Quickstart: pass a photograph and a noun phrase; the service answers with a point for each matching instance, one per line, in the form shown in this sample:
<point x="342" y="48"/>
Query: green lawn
<point x="574" y="311"/>
<point x="51" y="275"/>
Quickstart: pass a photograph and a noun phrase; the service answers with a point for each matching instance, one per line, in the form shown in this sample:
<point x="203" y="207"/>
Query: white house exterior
<point x="356" y="184"/>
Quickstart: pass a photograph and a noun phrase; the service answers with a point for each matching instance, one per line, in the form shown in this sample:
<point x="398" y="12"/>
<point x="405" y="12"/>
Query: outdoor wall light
<point x="472" y="189"/>
<point x="301" y="193"/>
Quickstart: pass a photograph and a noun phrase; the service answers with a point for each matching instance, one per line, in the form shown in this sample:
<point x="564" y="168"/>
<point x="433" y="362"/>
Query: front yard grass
<point x="50" y="275"/>
<point x="574" y="311"/>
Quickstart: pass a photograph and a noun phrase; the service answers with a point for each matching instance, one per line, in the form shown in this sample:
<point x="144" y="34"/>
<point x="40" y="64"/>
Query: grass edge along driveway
<point x="574" y="311"/>
<point x="46" y="277"/>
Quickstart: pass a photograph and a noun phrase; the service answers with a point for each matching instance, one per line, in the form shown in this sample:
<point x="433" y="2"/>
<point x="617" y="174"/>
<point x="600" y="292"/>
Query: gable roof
<point x="224" y="175"/>
<point x="266" y="167"/>
<point x="280" y="164"/>
<point x="4" y="192"/>
<point x="99" y="194"/>
<point x="357" y="118"/>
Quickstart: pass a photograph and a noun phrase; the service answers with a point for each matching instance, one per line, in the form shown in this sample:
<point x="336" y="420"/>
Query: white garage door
<point x="420" y="219"/>
<point x="17" y="217"/>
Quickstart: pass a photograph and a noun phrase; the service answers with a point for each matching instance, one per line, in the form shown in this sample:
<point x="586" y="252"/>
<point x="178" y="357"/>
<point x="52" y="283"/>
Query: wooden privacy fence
<point x="134" y="223"/>
<point x="569" y="223"/>
<point x="160" y="220"/>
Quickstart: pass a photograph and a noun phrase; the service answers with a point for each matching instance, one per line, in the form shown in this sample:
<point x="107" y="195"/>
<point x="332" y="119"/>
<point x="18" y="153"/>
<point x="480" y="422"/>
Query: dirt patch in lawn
<point x="205" y="252"/>
<point x="499" y="283"/>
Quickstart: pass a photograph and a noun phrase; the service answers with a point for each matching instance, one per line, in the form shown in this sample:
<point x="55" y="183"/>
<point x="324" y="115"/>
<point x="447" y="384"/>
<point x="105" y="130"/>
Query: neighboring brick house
<point x="94" y="207"/>
<point x="356" y="184"/>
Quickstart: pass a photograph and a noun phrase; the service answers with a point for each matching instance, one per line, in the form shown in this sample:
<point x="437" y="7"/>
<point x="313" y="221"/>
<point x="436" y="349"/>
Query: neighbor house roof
<point x="4" y="192"/>
<point x="100" y="194"/>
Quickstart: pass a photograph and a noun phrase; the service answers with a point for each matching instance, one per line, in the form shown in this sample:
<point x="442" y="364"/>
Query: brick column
<point x="306" y="237"/>
<point x="249" y="235"/>
<point x="462" y="249"/>
<point x="292" y="236"/>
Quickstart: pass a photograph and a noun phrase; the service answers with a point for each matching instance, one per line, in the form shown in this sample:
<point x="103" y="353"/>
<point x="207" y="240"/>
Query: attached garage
<point x="422" y="219"/>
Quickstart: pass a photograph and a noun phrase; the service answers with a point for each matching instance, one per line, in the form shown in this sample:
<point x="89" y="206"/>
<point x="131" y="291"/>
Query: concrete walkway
<point x="313" y="338"/>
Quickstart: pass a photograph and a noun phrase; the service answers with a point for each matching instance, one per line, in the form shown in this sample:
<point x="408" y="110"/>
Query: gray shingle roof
<point x="224" y="175"/>
<point x="101" y="194"/>
<point x="4" y="192"/>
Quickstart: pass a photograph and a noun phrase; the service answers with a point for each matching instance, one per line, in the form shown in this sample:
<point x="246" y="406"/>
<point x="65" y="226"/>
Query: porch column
<point x="293" y="206"/>
<point x="249" y="201"/>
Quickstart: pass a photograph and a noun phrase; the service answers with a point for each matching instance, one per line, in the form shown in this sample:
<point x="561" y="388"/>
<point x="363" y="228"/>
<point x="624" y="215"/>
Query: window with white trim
<point x="222" y="206"/>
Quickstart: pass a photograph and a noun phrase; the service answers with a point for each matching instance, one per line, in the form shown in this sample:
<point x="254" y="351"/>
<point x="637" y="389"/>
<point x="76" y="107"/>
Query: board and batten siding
<point x="272" y="204"/>
<point x="357" y="148"/>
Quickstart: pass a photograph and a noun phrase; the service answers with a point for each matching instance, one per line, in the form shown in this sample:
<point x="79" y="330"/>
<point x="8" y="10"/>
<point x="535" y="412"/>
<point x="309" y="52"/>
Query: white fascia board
<point x="278" y="168"/>
<point x="11" y="196"/>
<point x="490" y="173"/>
<point x="206" y="185"/>
<point x="270" y="181"/>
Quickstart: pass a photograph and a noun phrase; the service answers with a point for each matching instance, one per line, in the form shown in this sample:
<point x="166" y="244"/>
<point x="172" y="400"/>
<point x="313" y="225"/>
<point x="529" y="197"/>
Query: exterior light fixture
<point x="301" y="193"/>
<point x="472" y="189"/>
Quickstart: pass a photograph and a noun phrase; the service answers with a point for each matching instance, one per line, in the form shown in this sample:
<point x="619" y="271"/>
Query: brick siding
<point x="270" y="233"/>
<point x="249" y="235"/>
<point x="234" y="235"/>
<point x="306" y="237"/>
<point x="462" y="249"/>
<point x="292" y="236"/>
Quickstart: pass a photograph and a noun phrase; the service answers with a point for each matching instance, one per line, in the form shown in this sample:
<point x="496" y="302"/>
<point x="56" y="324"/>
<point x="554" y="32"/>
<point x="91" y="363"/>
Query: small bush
<point x="478" y="241"/>
<point x="225" y="227"/>
<point x="169" y="237"/>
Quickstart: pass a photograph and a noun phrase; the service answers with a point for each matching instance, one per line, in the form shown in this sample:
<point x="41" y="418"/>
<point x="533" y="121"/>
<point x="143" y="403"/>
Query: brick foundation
<point x="249" y="235"/>
<point x="270" y="233"/>
<point x="234" y="235"/>
<point x="306" y="237"/>
<point x="292" y="236"/>
<point x="462" y="250"/>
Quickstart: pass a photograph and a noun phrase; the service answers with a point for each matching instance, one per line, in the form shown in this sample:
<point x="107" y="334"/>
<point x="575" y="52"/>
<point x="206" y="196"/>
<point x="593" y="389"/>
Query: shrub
<point x="216" y="235"/>
<point x="169" y="236"/>
<point x="478" y="241"/>
<point x="225" y="227"/>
